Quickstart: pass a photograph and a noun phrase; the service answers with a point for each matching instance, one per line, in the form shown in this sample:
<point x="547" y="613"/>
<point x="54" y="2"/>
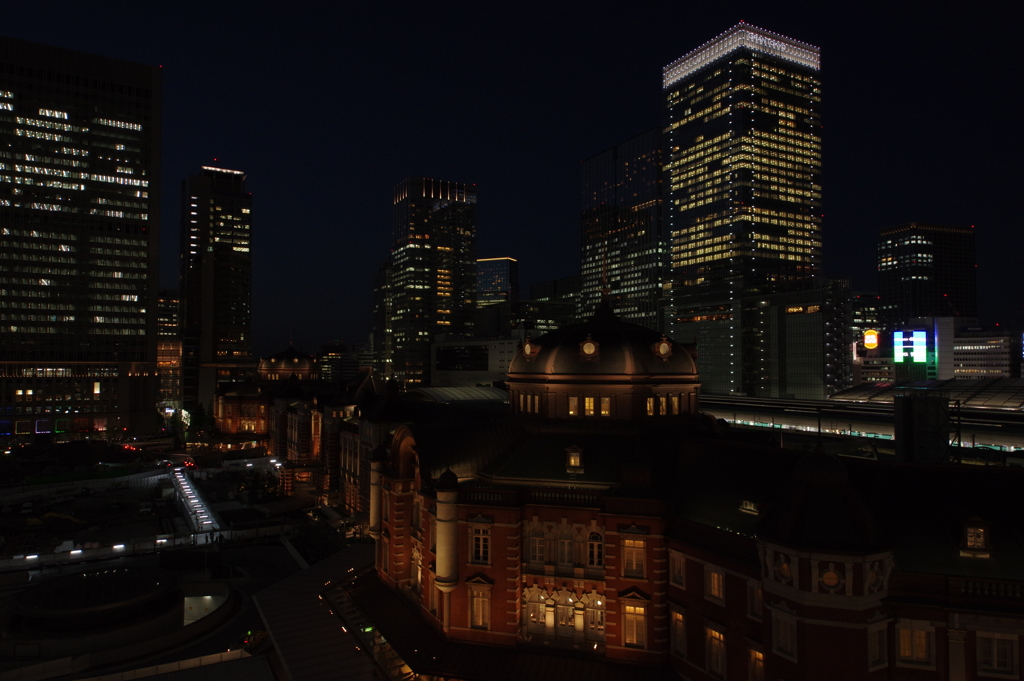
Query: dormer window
<point x="747" y="506"/>
<point x="976" y="541"/>
<point x="976" y="537"/>
<point x="574" y="459"/>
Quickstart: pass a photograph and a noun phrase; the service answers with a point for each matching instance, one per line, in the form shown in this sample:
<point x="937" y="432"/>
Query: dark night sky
<point x="328" y="106"/>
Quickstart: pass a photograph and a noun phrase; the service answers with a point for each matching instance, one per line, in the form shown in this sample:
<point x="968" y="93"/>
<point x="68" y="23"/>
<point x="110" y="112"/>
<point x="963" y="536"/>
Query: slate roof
<point x="466" y="445"/>
<point x="918" y="511"/>
<point x="457" y="395"/>
<point x="622" y="348"/>
<point x="309" y="642"/>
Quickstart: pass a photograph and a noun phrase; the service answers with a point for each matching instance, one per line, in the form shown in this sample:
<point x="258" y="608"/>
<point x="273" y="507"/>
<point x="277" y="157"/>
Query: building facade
<point x="471" y="362"/>
<point x="216" y="283"/>
<point x="79" y="235"/>
<point x="606" y="529"/>
<point x="983" y="354"/>
<point x="382" y="338"/>
<point x="802" y="348"/>
<point x="624" y="250"/>
<point x="743" y="187"/>
<point x="926" y="271"/>
<point x="508" y="320"/>
<point x="339" y="360"/>
<point x="431" y="286"/>
<point x="563" y="289"/>
<point x="497" y="281"/>
<point x="168" y="349"/>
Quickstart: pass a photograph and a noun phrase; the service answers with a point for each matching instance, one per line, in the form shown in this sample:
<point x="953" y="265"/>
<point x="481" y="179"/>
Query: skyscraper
<point x="926" y="271"/>
<point x="497" y="281"/>
<point x="743" y="178"/>
<point x="168" y="349"/>
<point x="382" y="338"/>
<point x="623" y="247"/>
<point x="79" y="237"/>
<point x="216" y="283"/>
<point x="432" y="281"/>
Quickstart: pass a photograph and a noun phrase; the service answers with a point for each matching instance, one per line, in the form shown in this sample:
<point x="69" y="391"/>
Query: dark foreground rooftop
<point x="307" y="637"/>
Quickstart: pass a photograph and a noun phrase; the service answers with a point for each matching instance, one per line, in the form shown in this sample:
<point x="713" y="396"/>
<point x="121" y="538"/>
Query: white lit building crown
<point x="739" y="36"/>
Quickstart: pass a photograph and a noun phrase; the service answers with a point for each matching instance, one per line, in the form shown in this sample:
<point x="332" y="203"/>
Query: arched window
<point x="535" y="610"/>
<point x="565" y="616"/>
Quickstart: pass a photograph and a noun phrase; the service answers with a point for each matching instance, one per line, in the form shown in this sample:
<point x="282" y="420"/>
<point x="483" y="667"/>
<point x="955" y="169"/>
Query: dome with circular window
<point x="603" y="368"/>
<point x="288" y="363"/>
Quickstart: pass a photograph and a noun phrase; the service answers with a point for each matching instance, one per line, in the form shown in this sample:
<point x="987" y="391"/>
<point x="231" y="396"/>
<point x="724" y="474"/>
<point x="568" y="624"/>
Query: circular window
<point x="830" y="579"/>
<point x="589" y="348"/>
<point x="664" y="348"/>
<point x="526" y="349"/>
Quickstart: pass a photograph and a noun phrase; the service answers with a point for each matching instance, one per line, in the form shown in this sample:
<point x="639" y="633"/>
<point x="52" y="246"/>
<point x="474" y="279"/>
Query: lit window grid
<point x="799" y="150"/>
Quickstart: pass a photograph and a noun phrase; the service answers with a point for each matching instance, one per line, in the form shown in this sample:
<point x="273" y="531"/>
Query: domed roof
<point x="290" y="360"/>
<point x="603" y="345"/>
<point x="818" y="509"/>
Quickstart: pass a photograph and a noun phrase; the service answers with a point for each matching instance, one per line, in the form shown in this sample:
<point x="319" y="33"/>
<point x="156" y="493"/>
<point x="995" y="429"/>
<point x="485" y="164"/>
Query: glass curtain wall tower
<point x="79" y="239"/>
<point x="926" y="271"/>
<point x="497" y="281"/>
<point x="432" y="282"/>
<point x="216" y="283"/>
<point x="743" y="178"/>
<point x="621" y="220"/>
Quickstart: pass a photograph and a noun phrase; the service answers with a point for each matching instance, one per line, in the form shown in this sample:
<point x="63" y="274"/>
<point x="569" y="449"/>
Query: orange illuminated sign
<point x="871" y="339"/>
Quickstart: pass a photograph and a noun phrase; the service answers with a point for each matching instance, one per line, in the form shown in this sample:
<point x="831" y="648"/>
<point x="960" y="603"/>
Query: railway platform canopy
<point x="999" y="394"/>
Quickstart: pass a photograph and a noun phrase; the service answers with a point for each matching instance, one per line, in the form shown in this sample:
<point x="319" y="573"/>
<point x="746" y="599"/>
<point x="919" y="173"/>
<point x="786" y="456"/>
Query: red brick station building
<point x="607" y="529"/>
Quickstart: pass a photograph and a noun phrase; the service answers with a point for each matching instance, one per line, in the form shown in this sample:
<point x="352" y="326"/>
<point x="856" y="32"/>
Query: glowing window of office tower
<point x="743" y="165"/>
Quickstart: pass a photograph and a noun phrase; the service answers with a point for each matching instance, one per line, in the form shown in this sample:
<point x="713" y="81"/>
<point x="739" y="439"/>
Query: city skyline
<point x="887" y="97"/>
<point x="694" y="449"/>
